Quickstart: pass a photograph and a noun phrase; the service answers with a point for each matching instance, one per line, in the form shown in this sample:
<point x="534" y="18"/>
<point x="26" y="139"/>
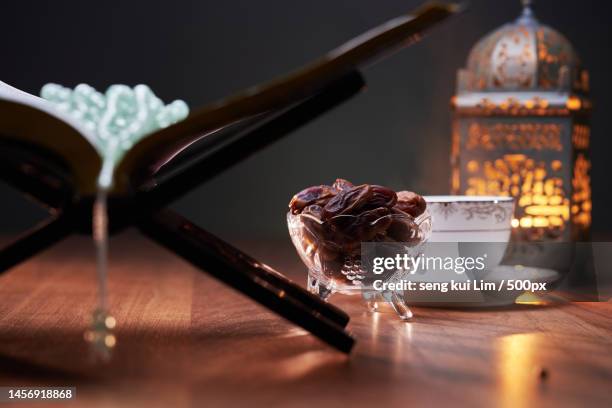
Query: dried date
<point x="410" y="203"/>
<point x="382" y="197"/>
<point x="347" y="202"/>
<point x="355" y="229"/>
<point x="403" y="229"/>
<point x="312" y="227"/>
<point x="342" y="184"/>
<point x="319" y="195"/>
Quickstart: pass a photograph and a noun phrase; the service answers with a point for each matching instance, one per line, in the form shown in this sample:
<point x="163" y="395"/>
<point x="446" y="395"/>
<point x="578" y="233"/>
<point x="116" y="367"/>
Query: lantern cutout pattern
<point x="521" y="129"/>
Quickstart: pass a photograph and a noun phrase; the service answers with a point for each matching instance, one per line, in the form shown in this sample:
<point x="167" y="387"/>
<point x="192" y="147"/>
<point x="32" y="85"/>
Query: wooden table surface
<point x="185" y="340"/>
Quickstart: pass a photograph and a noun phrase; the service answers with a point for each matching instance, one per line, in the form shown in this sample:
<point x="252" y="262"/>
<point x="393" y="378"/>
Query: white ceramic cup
<point x="465" y="226"/>
<point x="470" y="218"/>
<point x="484" y="219"/>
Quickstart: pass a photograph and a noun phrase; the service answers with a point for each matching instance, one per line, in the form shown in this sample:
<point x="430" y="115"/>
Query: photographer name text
<point x="460" y="286"/>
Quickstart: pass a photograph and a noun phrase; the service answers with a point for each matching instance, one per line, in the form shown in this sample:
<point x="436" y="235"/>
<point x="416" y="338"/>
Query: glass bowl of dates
<point x="327" y="225"/>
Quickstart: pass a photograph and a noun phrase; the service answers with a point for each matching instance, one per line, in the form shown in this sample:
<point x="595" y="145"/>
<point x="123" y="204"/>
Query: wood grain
<point x="185" y="340"/>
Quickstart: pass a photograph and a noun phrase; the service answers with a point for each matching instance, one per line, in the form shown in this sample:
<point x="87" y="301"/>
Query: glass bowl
<point x="331" y="250"/>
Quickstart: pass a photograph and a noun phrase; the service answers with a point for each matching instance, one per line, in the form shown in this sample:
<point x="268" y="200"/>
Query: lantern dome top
<point x="523" y="55"/>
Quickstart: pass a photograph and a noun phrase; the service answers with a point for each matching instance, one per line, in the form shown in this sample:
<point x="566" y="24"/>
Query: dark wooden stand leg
<point x="31" y="242"/>
<point x="241" y="272"/>
<point x="160" y="192"/>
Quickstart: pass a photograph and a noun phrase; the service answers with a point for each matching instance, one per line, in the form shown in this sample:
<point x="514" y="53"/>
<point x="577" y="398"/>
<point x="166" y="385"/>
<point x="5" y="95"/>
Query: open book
<point x="27" y="118"/>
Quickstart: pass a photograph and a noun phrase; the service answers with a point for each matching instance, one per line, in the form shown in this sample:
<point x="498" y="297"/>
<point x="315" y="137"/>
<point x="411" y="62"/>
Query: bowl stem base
<point x="319" y="288"/>
<point x="399" y="305"/>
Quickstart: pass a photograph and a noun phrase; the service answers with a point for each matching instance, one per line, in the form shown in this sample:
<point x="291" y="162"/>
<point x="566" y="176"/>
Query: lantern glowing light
<point x="521" y="128"/>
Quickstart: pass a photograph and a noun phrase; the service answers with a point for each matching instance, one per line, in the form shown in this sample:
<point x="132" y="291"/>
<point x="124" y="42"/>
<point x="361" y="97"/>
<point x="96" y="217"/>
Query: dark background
<point x="396" y="133"/>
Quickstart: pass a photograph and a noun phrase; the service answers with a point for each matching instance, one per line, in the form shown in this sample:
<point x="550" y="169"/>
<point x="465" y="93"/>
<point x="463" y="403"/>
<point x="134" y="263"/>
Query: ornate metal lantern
<point x="521" y="128"/>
